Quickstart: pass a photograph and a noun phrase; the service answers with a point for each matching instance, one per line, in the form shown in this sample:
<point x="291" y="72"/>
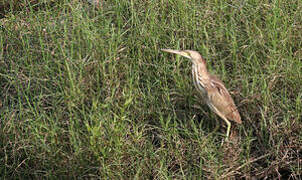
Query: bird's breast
<point x="198" y="83"/>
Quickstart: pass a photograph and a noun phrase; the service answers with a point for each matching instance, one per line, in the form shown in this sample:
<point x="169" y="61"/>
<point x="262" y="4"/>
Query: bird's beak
<point x="182" y="53"/>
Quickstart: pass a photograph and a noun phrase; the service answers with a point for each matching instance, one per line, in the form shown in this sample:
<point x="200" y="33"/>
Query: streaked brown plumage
<point x="211" y="88"/>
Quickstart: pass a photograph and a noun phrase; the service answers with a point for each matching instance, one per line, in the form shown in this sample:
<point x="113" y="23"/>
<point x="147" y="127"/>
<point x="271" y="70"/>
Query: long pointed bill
<point x="182" y="53"/>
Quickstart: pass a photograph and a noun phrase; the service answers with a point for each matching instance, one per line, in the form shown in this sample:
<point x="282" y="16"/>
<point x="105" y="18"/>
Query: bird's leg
<point x="228" y="128"/>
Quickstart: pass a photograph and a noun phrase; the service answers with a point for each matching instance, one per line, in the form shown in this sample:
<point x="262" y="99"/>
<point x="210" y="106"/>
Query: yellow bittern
<point x="211" y="89"/>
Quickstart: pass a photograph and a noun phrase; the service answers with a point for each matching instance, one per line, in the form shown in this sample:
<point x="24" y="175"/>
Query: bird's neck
<point x="201" y="69"/>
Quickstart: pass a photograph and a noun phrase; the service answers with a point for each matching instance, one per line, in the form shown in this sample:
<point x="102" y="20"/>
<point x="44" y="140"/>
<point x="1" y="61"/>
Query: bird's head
<point x="193" y="55"/>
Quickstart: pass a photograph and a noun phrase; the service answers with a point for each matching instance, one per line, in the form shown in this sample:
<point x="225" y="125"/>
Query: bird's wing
<point x="222" y="100"/>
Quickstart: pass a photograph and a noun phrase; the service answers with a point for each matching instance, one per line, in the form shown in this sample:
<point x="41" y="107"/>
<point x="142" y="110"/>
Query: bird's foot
<point x="225" y="140"/>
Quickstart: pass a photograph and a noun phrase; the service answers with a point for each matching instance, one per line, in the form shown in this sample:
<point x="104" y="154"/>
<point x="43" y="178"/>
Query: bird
<point x="211" y="88"/>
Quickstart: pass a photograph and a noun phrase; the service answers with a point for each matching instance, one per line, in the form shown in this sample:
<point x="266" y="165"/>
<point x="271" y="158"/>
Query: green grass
<point x="87" y="92"/>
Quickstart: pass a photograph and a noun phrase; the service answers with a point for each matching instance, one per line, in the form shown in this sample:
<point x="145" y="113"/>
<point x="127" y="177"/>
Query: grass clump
<point x="86" y="92"/>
